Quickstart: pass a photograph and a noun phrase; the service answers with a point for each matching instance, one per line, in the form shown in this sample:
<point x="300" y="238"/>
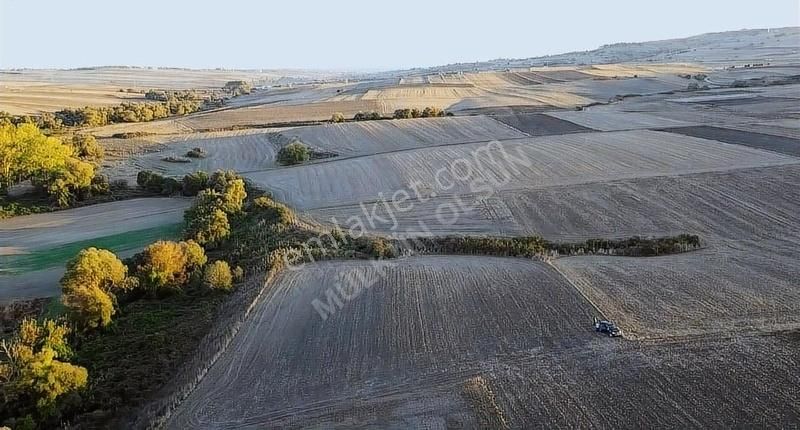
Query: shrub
<point x="217" y="276"/>
<point x="100" y="185"/>
<point x="119" y="184"/>
<point x="294" y="153"/>
<point x="89" y="306"/>
<point x="170" y="186"/>
<point x="238" y="274"/>
<point x="169" y="264"/>
<point x="430" y="112"/>
<point x="87" y="148"/>
<point x="207" y="221"/>
<point x="232" y="189"/>
<point x="402" y="114"/>
<point x="367" y="116"/>
<point x="94" y="267"/>
<point x="35" y="372"/>
<point x="196" y="153"/>
<point x="194" y="182"/>
<point x="337" y="117"/>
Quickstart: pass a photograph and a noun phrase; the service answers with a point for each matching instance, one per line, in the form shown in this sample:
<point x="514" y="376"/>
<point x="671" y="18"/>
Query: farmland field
<point x="682" y="141"/>
<point x="373" y="137"/>
<point x="718" y="206"/>
<point x="396" y="354"/>
<point x="746" y="285"/>
<point x="36" y="247"/>
<point x="784" y="145"/>
<point x="429" y="318"/>
<point x="536" y="163"/>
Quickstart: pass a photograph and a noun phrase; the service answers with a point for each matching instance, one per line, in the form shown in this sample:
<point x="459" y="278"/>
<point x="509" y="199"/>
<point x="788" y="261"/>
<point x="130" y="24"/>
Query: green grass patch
<point x="140" y="351"/>
<point x="59" y="255"/>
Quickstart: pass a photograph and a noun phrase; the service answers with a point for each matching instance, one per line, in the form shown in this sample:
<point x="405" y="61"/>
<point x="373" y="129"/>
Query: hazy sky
<point x="374" y="34"/>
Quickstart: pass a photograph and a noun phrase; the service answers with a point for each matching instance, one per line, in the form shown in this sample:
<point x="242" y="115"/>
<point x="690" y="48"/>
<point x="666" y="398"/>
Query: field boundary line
<point x="575" y="286"/>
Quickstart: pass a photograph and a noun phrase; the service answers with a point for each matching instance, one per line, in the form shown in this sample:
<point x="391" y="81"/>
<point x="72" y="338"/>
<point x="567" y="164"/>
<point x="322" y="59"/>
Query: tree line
<point x="63" y="168"/>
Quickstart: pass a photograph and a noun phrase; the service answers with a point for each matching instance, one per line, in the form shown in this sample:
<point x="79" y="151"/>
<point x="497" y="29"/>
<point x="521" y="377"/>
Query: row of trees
<point x="126" y="112"/>
<point x="64" y="169"/>
<point x="39" y="382"/>
<point x="428" y="112"/>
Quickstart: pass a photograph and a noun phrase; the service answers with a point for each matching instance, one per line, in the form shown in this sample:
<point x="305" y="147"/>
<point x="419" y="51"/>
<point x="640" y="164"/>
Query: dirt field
<point x="241" y="151"/>
<point x="540" y="125"/>
<point x="25" y="98"/>
<point x="739" y="286"/>
<point x="442" y="320"/>
<point x="784" y="145"/>
<point x="417" y="326"/>
<point x="538" y="163"/>
<point x="372" y="137"/>
<point x="719" y="206"/>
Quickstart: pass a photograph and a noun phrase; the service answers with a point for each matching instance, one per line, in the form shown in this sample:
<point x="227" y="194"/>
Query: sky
<point x="349" y="35"/>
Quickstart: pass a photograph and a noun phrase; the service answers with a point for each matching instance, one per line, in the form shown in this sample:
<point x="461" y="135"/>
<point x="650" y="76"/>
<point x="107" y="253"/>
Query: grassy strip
<point x="535" y="246"/>
<point x="59" y="255"/>
<point x="484" y="404"/>
<point x="139" y="353"/>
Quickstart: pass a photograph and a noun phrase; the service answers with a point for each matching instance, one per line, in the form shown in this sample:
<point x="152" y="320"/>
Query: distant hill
<point x="776" y="45"/>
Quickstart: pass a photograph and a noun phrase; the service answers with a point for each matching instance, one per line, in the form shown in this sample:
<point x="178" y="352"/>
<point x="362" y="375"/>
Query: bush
<point x="196" y="153"/>
<point x="87" y="148"/>
<point x="170" y="186"/>
<point x="232" y="189"/>
<point x="89" y="306"/>
<point x="337" y="117"/>
<point x="94" y="267"/>
<point x="206" y="221"/>
<point x="294" y="153"/>
<point x="169" y="264"/>
<point x="119" y="184"/>
<point x="217" y="276"/>
<point x="36" y="373"/>
<point x="430" y="112"/>
<point x="367" y="116"/>
<point x="402" y="114"/>
<point x="193" y="183"/>
<point x="100" y="185"/>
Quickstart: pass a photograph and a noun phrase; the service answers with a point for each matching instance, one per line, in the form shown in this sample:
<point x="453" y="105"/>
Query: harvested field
<point x="608" y="120"/>
<point x="272" y="114"/>
<point x="784" y="145"/>
<point x="238" y="151"/>
<point x="371" y="137"/>
<point x="531" y="163"/>
<point x="606" y="89"/>
<point x="743" y="286"/>
<point x="26" y="98"/>
<point x="540" y="125"/>
<point x="705" y="383"/>
<point x="719" y="206"/>
<point x="397" y="352"/>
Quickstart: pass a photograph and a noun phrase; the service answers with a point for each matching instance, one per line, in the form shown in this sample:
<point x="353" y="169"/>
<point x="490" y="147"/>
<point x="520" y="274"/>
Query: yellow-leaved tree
<point x="35" y="370"/>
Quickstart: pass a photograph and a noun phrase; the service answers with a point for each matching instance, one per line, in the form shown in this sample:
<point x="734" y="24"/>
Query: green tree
<point x="294" y="153"/>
